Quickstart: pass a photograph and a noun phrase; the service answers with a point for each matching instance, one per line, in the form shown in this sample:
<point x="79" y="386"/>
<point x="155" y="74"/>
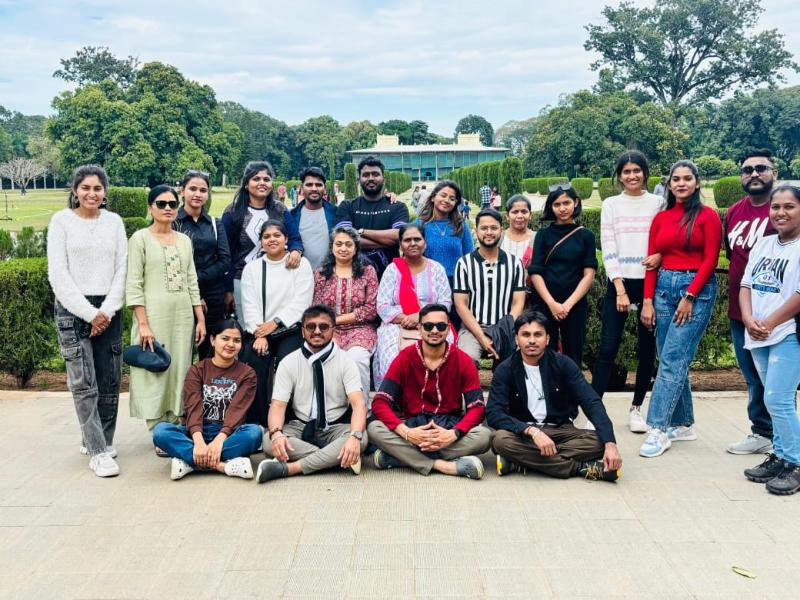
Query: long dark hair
<point x="241" y="199"/>
<point x="456" y="217"/>
<point x="82" y="173"/>
<point x="693" y="205"/>
<point x="328" y="265"/>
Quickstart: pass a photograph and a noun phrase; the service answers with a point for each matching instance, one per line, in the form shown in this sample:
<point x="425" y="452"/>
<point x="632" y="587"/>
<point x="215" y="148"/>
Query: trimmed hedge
<point x="127" y="201"/>
<point x="727" y="190"/>
<point x="583" y="186"/>
<point x="606" y="188"/>
<point x="6" y="244"/>
<point x="530" y="186"/>
<point x="133" y="224"/>
<point x="505" y="175"/>
<point x="510" y="177"/>
<point x="350" y="182"/>
<point x="397" y="182"/>
<point x="542" y="184"/>
<point x="652" y="182"/>
<point x="27" y="334"/>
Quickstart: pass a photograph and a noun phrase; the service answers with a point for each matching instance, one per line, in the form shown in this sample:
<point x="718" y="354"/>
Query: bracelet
<point x="622" y="294"/>
<point x="406" y="434"/>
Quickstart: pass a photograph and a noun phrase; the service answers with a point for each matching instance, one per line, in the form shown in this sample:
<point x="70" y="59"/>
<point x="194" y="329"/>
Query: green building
<point x="430" y="162"/>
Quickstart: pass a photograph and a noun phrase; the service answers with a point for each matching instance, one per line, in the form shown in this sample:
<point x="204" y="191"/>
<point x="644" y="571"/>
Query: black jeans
<point x="265" y="366"/>
<point x="611" y="338"/>
<point x="94" y="370"/>
<point x="569" y="335"/>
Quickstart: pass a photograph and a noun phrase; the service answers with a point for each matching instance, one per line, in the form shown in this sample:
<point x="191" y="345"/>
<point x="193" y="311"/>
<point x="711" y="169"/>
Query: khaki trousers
<point x="573" y="446"/>
<point x="475" y="442"/>
<point x="314" y="458"/>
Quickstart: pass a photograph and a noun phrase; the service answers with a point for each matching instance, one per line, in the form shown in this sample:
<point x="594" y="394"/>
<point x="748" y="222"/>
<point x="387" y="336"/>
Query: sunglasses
<point x="758" y="169"/>
<point x="197" y="173"/>
<point x="560" y="186"/>
<point x="440" y="326"/>
<point x="312" y="327"/>
<point x="162" y="204"/>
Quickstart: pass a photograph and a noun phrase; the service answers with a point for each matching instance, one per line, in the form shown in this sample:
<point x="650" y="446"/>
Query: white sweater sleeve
<point x="64" y="288"/>
<point x="251" y="295"/>
<point x="608" y="240"/>
<point x="300" y="297"/>
<point x="116" y="293"/>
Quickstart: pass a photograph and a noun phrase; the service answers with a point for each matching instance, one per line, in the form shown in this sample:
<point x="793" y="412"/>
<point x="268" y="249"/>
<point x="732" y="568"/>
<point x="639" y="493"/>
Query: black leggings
<point x="611" y="338"/>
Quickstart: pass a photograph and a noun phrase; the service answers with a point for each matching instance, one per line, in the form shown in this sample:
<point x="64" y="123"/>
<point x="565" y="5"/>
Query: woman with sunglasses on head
<point x="624" y="231"/>
<point x="274" y="297"/>
<point x="409" y="283"/>
<point x="563" y="267"/>
<point x="347" y="282"/>
<point x="253" y="204"/>
<point x="678" y="301"/>
<point x="212" y="258"/>
<point x="86" y="265"/>
<point x="162" y="291"/>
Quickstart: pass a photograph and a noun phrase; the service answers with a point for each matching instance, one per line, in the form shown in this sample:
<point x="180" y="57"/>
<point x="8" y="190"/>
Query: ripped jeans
<point x="94" y="371"/>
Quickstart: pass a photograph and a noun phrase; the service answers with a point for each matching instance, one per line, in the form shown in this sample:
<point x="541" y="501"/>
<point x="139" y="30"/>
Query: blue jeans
<point x="176" y="441"/>
<point x="777" y="368"/>
<point x="671" y="399"/>
<point x="757" y="412"/>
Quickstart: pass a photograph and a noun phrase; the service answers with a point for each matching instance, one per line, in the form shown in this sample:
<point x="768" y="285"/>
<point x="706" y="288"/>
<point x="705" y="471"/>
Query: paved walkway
<point x="671" y="528"/>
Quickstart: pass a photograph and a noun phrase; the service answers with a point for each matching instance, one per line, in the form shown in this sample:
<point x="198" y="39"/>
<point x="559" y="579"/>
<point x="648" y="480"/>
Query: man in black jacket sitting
<point x="533" y="401"/>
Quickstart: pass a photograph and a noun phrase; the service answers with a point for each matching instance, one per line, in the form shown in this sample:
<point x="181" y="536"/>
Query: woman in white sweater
<point x="624" y="229"/>
<point x="274" y="297"/>
<point x="86" y="265"/>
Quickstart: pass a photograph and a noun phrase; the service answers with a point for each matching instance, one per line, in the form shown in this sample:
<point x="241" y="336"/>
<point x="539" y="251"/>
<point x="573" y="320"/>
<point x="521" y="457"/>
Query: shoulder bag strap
<point x="263" y="291"/>
<point x="561" y="241"/>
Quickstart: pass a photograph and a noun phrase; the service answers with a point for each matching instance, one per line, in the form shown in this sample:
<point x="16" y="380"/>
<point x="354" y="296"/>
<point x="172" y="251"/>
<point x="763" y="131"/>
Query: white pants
<point x="361" y="356"/>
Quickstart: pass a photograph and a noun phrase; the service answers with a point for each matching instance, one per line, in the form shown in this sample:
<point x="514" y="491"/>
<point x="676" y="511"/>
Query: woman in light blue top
<point x="447" y="234"/>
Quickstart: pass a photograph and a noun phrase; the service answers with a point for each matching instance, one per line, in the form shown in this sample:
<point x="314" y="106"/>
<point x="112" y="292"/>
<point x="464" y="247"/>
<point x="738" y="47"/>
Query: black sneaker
<point x="382" y="460"/>
<point x="593" y="471"/>
<point x="769" y="469"/>
<point x="506" y="466"/>
<point x="271" y="469"/>
<point x="788" y="482"/>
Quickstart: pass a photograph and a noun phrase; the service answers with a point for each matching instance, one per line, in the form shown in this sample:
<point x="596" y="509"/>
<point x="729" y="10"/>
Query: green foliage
<point x="794" y="167"/>
<point x="505" y="175"/>
<point x="584" y="186"/>
<point x="530" y="185"/>
<point x="6" y="244"/>
<point x="127" y="201"/>
<point x="93" y="64"/>
<point x="27" y="334"/>
<point x="6" y="149"/>
<point x="133" y="224"/>
<point x="606" y="187"/>
<point x="408" y="132"/>
<point x="555" y="181"/>
<point x="688" y="51"/>
<point x="590" y="218"/>
<point x="510" y="177"/>
<point x="29" y="244"/>
<point x="711" y="167"/>
<point x="652" y="182"/>
<point x="727" y="190"/>
<point x="541" y="182"/>
<point x="397" y="182"/>
<point x="21" y="128"/>
<point x="476" y="124"/>
<point x="350" y="181"/>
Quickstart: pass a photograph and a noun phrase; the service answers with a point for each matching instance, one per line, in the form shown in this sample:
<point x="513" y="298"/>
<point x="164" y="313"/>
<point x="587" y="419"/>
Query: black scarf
<point x="316" y="359"/>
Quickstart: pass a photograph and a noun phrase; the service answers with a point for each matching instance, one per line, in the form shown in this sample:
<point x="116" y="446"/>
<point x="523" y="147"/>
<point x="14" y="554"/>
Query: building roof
<point x="400" y="149"/>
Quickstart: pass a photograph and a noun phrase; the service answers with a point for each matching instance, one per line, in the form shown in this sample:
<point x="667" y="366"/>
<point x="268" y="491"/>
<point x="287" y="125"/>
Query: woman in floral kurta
<point x="347" y="283"/>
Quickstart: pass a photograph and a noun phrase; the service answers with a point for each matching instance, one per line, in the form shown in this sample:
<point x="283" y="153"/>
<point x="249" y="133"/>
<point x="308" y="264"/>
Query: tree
<point x="688" y="51"/>
<point x="93" y="64"/>
<point x="21" y="171"/>
<point x="6" y="150"/>
<point x="21" y="128"/>
<point x="476" y="124"/>
<point x="358" y="135"/>
<point x="350" y="181"/>
<point x="515" y="135"/>
<point x="47" y="154"/>
<point x="316" y="137"/>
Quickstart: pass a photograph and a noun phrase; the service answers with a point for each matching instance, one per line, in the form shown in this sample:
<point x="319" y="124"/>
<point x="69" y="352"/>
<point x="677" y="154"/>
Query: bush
<point x="27" y="334"/>
<point x="542" y="185"/>
<point x="397" y="182"/>
<point x="794" y="167"/>
<point x="606" y="188"/>
<point x="652" y="182"/>
<point x="583" y="186"/>
<point x="350" y="182"/>
<point x="590" y="218"/>
<point x="128" y="201"/>
<point x="530" y="185"/>
<point x="133" y="224"/>
<point x="30" y="244"/>
<point x="6" y="244"/>
<point x="727" y="190"/>
<point x="510" y="177"/>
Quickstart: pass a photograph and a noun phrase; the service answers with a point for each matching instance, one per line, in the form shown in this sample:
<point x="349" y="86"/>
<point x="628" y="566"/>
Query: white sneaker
<point x="356" y="467"/>
<point x="180" y="469"/>
<point x="682" y="433"/>
<point x="109" y="450"/>
<point x="104" y="465"/>
<point x="239" y="467"/>
<point x="636" y="421"/>
<point x="752" y="444"/>
<point x="655" y="444"/>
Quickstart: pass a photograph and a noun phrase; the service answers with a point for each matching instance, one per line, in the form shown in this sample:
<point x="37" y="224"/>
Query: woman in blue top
<point x="447" y="234"/>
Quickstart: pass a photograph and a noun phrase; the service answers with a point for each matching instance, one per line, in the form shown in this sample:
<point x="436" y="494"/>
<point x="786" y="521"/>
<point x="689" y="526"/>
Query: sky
<point x="431" y="60"/>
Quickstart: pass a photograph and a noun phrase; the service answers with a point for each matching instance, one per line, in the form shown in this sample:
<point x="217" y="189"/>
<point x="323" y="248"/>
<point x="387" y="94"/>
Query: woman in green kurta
<point x="163" y="294"/>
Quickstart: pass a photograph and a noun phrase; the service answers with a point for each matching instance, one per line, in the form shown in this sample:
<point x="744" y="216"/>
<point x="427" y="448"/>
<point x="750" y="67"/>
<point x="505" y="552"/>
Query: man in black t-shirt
<point x="374" y="216"/>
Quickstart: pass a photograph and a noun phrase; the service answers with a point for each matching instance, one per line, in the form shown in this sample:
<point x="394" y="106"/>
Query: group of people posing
<point x="308" y="307"/>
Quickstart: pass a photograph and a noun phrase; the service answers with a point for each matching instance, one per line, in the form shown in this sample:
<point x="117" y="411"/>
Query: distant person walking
<point x="486" y="195"/>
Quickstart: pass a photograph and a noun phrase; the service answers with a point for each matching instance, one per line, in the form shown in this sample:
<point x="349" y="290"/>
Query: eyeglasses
<point x="440" y="326"/>
<point x="560" y="186"/>
<point x="312" y="327"/>
<point x="748" y="170"/>
<point x="162" y="204"/>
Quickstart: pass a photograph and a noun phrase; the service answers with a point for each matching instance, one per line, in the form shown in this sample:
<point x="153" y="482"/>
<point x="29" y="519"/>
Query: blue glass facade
<point x="430" y="165"/>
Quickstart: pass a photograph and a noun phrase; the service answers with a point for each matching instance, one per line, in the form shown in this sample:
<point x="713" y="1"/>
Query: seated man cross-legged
<point x="317" y="416"/>
<point x="532" y="404"/>
<point x="419" y="419"/>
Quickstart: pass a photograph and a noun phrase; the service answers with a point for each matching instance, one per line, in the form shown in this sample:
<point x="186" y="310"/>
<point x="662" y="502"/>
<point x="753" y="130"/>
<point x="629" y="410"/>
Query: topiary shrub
<point x="127" y="201"/>
<point x="529" y="185"/>
<point x="727" y="190"/>
<point x="542" y="183"/>
<point x="27" y="333"/>
<point x="6" y="244"/>
<point x="583" y="186"/>
<point x="510" y="177"/>
<point x="350" y="182"/>
<point x="133" y="224"/>
<point x="652" y="182"/>
<point x="606" y="188"/>
<point x="590" y="218"/>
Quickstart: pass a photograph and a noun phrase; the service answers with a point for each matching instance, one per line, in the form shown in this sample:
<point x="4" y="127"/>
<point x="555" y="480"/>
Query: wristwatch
<point x="458" y="433"/>
<point x="360" y="231"/>
<point x="689" y="297"/>
<point x="359" y="435"/>
<point x="278" y="322"/>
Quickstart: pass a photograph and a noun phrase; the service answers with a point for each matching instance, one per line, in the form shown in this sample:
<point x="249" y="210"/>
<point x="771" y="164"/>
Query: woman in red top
<point x="678" y="301"/>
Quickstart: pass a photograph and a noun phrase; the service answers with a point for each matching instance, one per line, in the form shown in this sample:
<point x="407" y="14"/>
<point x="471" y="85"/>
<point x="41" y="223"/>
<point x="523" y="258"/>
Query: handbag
<point x="407" y="337"/>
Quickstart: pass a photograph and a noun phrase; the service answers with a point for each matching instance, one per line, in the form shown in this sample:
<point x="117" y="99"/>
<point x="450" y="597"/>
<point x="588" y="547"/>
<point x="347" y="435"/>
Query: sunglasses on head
<point x="748" y="170"/>
<point x="440" y="326"/>
<point x="560" y="186"/>
<point x="162" y="204"/>
<point x="197" y="173"/>
<point x="312" y="327"/>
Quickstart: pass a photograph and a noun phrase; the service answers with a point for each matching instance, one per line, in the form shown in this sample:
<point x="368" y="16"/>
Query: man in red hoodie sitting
<point x="430" y="407"/>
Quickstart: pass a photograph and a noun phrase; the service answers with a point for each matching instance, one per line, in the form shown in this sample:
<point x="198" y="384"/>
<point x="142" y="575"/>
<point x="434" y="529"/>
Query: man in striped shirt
<point x="488" y="285"/>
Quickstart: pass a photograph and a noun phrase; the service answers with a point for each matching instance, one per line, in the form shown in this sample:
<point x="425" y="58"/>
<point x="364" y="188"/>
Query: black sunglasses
<point x="312" y="327"/>
<point x="440" y="326"/>
<point x="560" y="186"/>
<point x="748" y="170"/>
<point x="197" y="173"/>
<point x="162" y="204"/>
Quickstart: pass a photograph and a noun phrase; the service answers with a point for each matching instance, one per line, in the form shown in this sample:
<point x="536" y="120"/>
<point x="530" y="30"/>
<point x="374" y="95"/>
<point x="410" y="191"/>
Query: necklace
<point x="442" y="231"/>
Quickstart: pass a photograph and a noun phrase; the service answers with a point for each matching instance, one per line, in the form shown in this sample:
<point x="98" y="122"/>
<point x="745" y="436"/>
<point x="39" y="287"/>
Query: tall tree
<point x="22" y="171"/>
<point x="358" y="135"/>
<point x="688" y="51"/>
<point x="515" y="135"/>
<point x="6" y="150"/>
<point x="316" y="137"/>
<point x="47" y="154"/>
<point x="93" y="64"/>
<point x="21" y="128"/>
<point x="476" y="124"/>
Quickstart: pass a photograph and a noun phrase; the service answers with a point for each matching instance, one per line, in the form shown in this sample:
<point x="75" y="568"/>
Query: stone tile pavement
<point x="670" y="528"/>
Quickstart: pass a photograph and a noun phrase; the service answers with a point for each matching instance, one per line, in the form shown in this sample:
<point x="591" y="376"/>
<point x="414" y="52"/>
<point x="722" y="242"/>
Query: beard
<point x="766" y="187"/>
<point x="491" y="244"/>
